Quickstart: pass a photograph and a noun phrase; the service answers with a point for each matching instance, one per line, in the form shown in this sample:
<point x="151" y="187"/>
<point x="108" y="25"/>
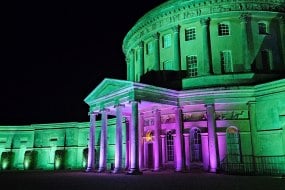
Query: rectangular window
<point x="226" y="61"/>
<point x="190" y="34"/>
<point x="149" y="48"/>
<point x="166" y="39"/>
<point x="192" y="66"/>
<point x="233" y="148"/>
<point x="224" y="29"/>
<point x="262" y="28"/>
<point x="170" y="146"/>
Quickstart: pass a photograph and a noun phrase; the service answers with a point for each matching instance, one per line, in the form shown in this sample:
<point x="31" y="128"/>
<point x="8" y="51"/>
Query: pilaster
<point x="205" y="22"/>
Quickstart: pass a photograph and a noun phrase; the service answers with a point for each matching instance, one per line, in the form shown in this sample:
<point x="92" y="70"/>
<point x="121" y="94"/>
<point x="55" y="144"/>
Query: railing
<point x="255" y="165"/>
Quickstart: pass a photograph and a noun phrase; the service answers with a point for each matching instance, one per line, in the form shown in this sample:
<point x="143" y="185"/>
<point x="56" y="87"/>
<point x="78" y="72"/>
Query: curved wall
<point x="202" y="38"/>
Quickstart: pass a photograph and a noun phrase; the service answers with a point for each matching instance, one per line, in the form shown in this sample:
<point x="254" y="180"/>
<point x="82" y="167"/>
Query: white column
<point x="163" y="150"/>
<point x="141" y="141"/>
<point x="118" y="146"/>
<point x="212" y="139"/>
<point x="178" y="139"/>
<point x="187" y="150"/>
<point x="91" y="143"/>
<point x="103" y="143"/>
<point x="156" y="143"/>
<point x="134" y="140"/>
<point x="127" y="143"/>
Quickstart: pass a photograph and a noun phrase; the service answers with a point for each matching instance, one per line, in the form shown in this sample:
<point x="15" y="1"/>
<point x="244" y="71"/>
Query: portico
<point x="132" y="101"/>
<point x="155" y="136"/>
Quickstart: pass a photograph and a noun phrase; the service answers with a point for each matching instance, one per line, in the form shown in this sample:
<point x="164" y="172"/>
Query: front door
<point x="150" y="155"/>
<point x="196" y="153"/>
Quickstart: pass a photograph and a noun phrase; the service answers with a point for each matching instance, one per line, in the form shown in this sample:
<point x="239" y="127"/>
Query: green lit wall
<point x="145" y="50"/>
<point x="52" y="146"/>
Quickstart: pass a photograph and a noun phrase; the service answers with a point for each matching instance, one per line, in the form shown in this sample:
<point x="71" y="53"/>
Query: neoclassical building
<point x="205" y="90"/>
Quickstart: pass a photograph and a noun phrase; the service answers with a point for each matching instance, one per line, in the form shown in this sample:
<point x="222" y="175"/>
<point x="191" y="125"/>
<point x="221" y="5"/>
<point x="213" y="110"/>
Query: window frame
<point x="166" y="40"/>
<point x="192" y="65"/>
<point x="224" y="29"/>
<point x="189" y="36"/>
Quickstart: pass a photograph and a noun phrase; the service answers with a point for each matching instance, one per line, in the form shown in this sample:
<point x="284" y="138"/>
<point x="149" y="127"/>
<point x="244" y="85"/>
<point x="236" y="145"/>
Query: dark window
<point x="190" y="34"/>
<point x="224" y="29"/>
<point x="262" y="28"/>
<point x="170" y="146"/>
<point x="192" y="66"/>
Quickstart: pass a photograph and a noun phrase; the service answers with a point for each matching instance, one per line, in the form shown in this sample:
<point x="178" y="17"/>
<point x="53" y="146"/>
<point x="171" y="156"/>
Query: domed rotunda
<point x="207" y="43"/>
<point x="205" y="89"/>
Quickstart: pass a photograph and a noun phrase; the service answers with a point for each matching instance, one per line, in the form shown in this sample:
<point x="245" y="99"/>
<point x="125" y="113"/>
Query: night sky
<point x="53" y="55"/>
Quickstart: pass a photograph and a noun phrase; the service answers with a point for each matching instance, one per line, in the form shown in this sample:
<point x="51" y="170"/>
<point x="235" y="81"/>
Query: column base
<point x="117" y="170"/>
<point x="100" y="170"/>
<point x="178" y="169"/>
<point x="156" y="169"/>
<point x="213" y="170"/>
<point x="134" y="171"/>
<point x="89" y="169"/>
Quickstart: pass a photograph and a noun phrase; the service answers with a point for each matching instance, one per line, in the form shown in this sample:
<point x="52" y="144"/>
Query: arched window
<point x="233" y="145"/>
<point x="170" y="146"/>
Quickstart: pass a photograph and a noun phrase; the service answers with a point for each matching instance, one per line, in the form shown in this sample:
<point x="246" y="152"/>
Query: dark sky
<point x="53" y="55"/>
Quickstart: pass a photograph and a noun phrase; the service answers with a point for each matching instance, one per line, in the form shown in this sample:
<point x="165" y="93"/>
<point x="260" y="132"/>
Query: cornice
<point x="173" y="12"/>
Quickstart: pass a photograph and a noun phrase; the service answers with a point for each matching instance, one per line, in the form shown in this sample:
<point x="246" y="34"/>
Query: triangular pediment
<point x="106" y="87"/>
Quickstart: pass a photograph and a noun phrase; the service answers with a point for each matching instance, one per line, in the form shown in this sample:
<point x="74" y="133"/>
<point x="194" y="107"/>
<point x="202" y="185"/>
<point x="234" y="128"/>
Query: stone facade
<point x="52" y="146"/>
<point x="205" y="89"/>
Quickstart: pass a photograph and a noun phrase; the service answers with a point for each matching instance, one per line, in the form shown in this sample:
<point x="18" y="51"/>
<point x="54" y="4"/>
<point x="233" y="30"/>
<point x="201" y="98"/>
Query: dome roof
<point x="198" y="8"/>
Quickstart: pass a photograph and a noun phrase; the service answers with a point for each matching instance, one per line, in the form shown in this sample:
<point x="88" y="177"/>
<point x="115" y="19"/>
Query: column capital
<point x="209" y="105"/>
<point x="141" y="44"/>
<point x="282" y="19"/>
<point x="156" y="36"/>
<point x="162" y="136"/>
<point x="186" y="134"/>
<point x="244" y="17"/>
<point x="176" y="29"/>
<point x="119" y="105"/>
<point x="156" y="110"/>
<point x="177" y="108"/>
<point x="205" y="21"/>
<point x="104" y="110"/>
<point x="251" y="102"/>
<point x="93" y="113"/>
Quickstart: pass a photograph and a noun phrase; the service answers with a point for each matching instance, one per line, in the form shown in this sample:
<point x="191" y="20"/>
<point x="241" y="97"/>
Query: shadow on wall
<point x="166" y="79"/>
<point x="268" y="57"/>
